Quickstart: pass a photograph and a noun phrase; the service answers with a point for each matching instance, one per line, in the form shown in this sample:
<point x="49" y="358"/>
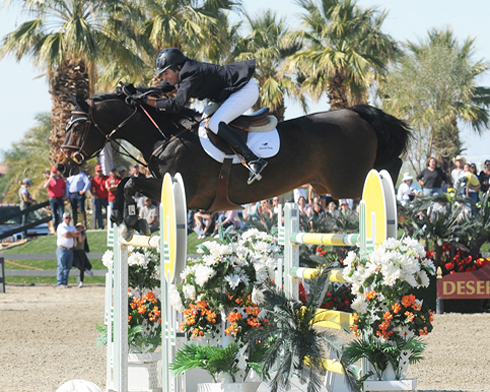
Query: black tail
<point x="393" y="134"/>
<point x="393" y="138"/>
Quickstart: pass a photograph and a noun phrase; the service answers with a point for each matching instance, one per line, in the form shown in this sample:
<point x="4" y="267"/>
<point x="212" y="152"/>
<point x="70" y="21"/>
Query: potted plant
<point x="296" y="348"/>
<point x="389" y="320"/>
<point x="144" y="316"/>
<point x="220" y="297"/>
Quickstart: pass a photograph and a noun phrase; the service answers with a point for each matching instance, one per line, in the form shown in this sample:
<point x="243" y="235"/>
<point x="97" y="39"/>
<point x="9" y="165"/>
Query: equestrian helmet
<point x="168" y="58"/>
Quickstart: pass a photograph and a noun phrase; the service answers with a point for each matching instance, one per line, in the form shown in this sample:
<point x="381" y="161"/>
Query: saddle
<point x="259" y="121"/>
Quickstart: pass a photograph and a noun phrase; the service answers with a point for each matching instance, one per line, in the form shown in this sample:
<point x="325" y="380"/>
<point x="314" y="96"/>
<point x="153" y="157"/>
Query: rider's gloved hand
<point x="136" y="99"/>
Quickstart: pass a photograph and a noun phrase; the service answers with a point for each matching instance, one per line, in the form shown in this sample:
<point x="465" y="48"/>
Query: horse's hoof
<point x="128" y="236"/>
<point x="116" y="217"/>
<point x="143" y="227"/>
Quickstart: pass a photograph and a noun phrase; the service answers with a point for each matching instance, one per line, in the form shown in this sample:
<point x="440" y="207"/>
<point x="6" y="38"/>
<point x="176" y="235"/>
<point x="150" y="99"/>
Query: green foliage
<point x="214" y="360"/>
<point x="380" y="353"/>
<point x="296" y="346"/>
<point x="434" y="86"/>
<point x="28" y="158"/>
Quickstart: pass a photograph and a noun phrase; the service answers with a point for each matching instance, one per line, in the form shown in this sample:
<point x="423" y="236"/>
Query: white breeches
<point x="236" y="104"/>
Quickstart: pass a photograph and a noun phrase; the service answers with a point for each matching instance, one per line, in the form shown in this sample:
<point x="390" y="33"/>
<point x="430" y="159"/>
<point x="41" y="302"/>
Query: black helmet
<point x="168" y="58"/>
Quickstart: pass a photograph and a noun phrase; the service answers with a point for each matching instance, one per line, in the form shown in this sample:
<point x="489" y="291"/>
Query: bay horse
<point x="333" y="151"/>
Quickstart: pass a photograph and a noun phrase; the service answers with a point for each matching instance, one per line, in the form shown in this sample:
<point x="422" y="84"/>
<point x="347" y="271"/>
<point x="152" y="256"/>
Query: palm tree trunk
<point x="70" y="77"/>
<point x="337" y="92"/>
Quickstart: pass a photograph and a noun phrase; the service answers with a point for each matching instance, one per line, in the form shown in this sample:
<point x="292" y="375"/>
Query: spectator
<point x="432" y="178"/>
<point x="332" y="210"/>
<point x="122" y="172"/>
<point x="203" y="223"/>
<point x="275" y="204"/>
<point x="66" y="234"/>
<point x="76" y="189"/>
<point x="138" y="197"/>
<point x="301" y="191"/>
<point x="303" y="207"/>
<point x="100" y="194"/>
<point x="407" y="189"/>
<point x="344" y="205"/>
<point x="458" y="171"/>
<point x="25" y="198"/>
<point x="56" y="187"/>
<point x="472" y="184"/>
<point x="265" y="210"/>
<point x="484" y="176"/>
<point x="229" y="220"/>
<point x="150" y="213"/>
<point x="111" y="185"/>
<point x="317" y="213"/>
<point x="80" y="250"/>
<point x="251" y="211"/>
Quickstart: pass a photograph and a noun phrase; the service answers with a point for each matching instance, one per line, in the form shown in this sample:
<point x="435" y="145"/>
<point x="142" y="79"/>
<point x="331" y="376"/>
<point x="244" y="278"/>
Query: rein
<point x="79" y="156"/>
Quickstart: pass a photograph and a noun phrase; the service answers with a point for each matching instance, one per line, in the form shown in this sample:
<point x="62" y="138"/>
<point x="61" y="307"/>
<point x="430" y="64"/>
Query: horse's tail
<point x="393" y="137"/>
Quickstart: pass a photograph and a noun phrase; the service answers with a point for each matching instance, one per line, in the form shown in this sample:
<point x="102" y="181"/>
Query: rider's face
<point x="171" y="76"/>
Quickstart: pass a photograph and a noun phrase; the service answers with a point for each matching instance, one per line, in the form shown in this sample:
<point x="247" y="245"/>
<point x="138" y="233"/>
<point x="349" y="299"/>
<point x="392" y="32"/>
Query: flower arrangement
<point x="144" y="321"/>
<point x="461" y="262"/>
<point x="225" y="285"/>
<point x="220" y="295"/>
<point x="389" y="320"/>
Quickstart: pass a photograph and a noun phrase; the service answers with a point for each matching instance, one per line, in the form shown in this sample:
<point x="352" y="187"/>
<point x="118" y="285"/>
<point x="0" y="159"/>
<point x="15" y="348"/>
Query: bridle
<point x="80" y="156"/>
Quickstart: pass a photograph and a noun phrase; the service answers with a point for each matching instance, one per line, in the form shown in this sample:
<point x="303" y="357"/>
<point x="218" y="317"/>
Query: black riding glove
<point x="136" y="99"/>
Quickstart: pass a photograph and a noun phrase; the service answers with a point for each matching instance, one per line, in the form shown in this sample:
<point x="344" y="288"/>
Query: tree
<point x="435" y="88"/>
<point x="269" y="44"/>
<point x="68" y="38"/>
<point x="28" y="158"/>
<point x="346" y="50"/>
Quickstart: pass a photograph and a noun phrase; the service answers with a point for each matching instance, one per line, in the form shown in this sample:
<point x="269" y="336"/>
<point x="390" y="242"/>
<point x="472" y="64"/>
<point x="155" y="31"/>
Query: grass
<point x="97" y="241"/>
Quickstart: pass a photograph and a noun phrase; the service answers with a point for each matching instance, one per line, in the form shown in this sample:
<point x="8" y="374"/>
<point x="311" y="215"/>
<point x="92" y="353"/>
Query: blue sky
<point x="25" y="90"/>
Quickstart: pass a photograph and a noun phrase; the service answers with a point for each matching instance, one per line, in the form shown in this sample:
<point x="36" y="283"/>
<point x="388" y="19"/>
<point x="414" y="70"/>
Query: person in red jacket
<point x="111" y="185"/>
<point x="56" y="187"/>
<point x="100" y="195"/>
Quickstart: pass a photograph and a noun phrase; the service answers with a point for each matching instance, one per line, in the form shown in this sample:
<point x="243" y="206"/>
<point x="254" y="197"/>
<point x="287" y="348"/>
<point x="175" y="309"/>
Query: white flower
<point x="138" y="259"/>
<point x="359" y="304"/>
<point x="203" y="273"/>
<point x="108" y="258"/>
<point x="424" y="279"/>
<point x="233" y="280"/>
<point x="261" y="272"/>
<point x="257" y="296"/>
<point x="175" y="299"/>
<point x="189" y="291"/>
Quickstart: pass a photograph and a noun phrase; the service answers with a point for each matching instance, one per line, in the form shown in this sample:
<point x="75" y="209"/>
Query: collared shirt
<point x="62" y="241"/>
<point x="98" y="185"/>
<point x="56" y="187"/>
<point x="78" y="182"/>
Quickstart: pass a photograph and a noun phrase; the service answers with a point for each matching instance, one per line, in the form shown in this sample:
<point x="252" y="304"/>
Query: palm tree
<point x="68" y="38"/>
<point x="434" y="87"/>
<point x="269" y="42"/>
<point x="346" y="50"/>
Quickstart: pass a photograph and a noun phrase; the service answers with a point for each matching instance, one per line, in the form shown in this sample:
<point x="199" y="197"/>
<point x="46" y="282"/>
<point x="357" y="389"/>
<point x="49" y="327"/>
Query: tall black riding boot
<point x="254" y="163"/>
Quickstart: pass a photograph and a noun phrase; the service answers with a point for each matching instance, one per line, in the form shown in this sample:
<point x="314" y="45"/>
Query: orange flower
<point x="408" y="300"/>
<point x="370" y="295"/>
<point x="142" y="309"/>
<point x="396" y="307"/>
<point x="234" y="316"/>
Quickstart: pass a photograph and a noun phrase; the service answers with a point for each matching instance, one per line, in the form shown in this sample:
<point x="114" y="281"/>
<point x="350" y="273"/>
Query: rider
<point x="230" y="85"/>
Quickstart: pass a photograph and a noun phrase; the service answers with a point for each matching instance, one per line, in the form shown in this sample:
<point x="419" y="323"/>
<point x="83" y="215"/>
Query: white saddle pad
<point x="263" y="144"/>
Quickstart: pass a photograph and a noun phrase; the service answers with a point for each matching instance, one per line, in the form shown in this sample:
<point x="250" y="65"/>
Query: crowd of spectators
<point x="434" y="180"/>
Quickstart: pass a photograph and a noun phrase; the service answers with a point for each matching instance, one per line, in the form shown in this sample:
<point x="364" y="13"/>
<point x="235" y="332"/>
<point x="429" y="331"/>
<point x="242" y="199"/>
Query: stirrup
<point x="256" y="168"/>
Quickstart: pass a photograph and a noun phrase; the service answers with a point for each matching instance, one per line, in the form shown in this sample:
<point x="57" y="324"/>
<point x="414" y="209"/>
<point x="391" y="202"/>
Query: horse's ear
<point x="73" y="99"/>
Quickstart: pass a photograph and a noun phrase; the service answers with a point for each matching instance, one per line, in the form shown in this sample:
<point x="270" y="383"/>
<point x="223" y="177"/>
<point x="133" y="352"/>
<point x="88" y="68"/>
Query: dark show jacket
<point x="206" y="81"/>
